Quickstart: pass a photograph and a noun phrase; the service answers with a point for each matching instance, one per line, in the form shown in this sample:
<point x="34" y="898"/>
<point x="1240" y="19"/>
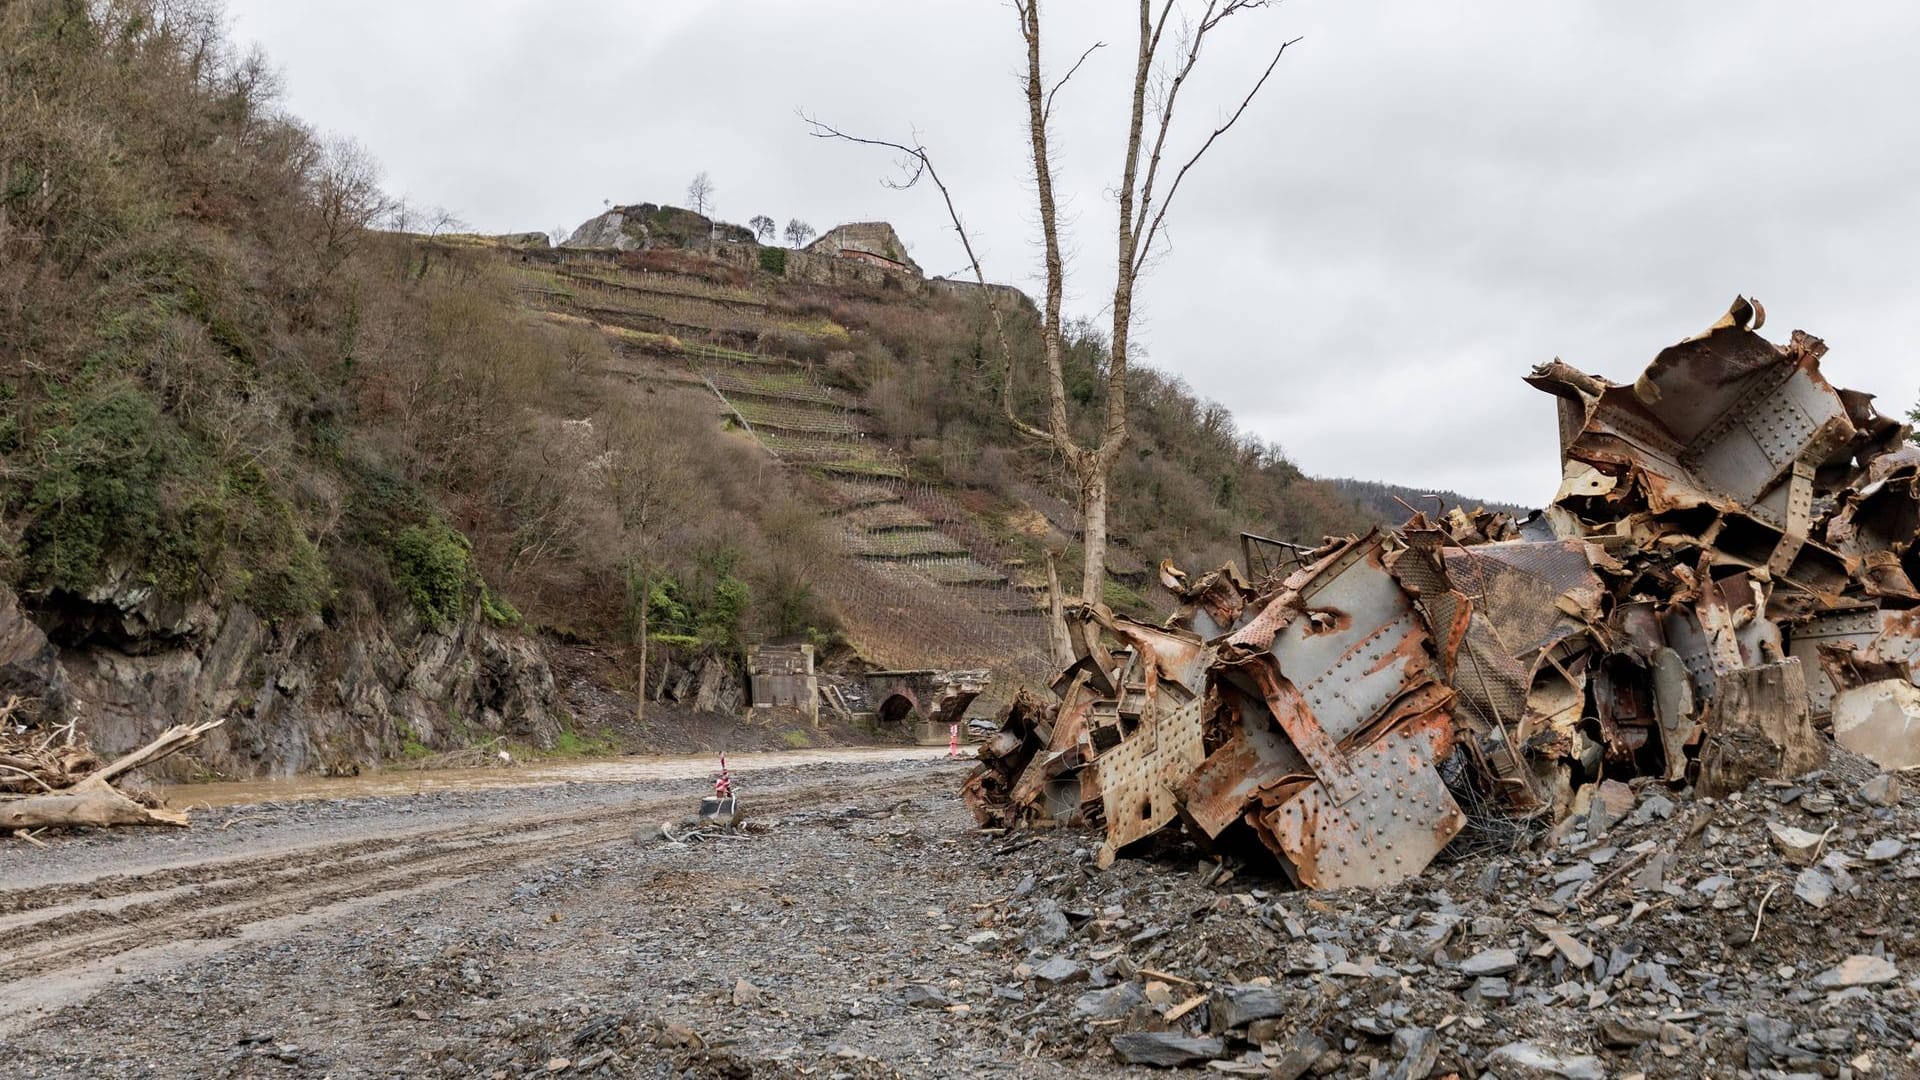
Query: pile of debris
<point x="1730" y="561"/>
<point x="49" y="777"/>
<point x="1769" y="934"/>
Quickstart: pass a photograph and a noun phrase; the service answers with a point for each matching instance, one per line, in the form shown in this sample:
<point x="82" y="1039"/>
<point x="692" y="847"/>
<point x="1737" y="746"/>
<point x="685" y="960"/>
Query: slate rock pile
<point x="1651" y="936"/>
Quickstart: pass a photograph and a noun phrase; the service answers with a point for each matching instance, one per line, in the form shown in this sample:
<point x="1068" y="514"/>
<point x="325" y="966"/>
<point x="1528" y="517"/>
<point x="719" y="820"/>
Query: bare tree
<point x="763" y="226"/>
<point x="347" y="199"/>
<point x="648" y="478"/>
<point x="700" y="193"/>
<point x="442" y="220"/>
<point x="798" y="232"/>
<point x="1158" y="79"/>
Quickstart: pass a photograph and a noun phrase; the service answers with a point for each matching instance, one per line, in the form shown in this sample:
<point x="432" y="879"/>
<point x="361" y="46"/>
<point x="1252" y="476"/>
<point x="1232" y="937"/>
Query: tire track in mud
<point x="46" y="930"/>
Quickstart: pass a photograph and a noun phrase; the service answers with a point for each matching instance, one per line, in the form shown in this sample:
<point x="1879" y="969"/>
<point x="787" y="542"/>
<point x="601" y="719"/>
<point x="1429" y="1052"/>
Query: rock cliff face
<point x="30" y="668"/>
<point x="309" y="698"/>
<point x="871" y="237"/>
<point x="646" y="225"/>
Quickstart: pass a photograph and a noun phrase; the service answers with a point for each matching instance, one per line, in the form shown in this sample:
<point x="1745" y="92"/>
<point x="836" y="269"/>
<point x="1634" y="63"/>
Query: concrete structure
<point x="781" y="676"/>
<point x="924" y="702"/>
<point x="920" y="702"/>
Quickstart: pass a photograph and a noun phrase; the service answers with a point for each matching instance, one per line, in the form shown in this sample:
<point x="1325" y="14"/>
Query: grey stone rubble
<point x="1771" y="933"/>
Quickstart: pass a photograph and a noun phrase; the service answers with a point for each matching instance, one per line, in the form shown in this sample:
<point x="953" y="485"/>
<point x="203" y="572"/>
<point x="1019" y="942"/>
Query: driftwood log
<point x="68" y="800"/>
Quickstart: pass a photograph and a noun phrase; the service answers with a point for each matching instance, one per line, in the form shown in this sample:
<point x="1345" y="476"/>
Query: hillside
<point x="873" y="388"/>
<point x="1388" y="502"/>
<point x="371" y="495"/>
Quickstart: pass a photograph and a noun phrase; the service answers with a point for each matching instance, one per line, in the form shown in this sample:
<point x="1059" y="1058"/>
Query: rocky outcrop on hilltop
<point x="875" y="238"/>
<point x="646" y="225"/>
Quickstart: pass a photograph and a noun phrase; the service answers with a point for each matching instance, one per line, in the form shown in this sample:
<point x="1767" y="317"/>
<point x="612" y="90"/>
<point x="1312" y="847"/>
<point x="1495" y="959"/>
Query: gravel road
<point x="862" y="927"/>
<point x="462" y="932"/>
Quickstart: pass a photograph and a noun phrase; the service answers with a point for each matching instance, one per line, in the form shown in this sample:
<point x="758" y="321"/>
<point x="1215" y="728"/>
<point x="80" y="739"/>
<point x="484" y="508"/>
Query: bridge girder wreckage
<point x="1723" y="584"/>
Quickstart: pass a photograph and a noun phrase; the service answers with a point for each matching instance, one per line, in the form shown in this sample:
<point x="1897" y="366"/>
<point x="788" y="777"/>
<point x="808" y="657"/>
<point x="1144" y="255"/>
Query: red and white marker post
<point x="953" y="740"/>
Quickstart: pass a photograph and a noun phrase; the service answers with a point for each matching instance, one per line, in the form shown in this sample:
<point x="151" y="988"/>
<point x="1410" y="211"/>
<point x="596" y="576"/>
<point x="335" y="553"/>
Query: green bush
<point x="280" y="572"/>
<point x="703" y="609"/>
<point x="574" y="744"/>
<point x="497" y="609"/>
<point x="433" y="564"/>
<point x="774" y="261"/>
<point x="113" y="481"/>
<point x="289" y="578"/>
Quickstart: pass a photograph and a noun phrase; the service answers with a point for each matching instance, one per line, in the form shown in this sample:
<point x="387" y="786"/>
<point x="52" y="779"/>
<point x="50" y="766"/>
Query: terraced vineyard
<point x="778" y="415"/>
<point x="919" y="581"/>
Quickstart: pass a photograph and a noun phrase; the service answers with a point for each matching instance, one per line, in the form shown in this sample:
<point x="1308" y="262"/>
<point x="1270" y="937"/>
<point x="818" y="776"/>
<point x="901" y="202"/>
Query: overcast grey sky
<point x="1426" y="200"/>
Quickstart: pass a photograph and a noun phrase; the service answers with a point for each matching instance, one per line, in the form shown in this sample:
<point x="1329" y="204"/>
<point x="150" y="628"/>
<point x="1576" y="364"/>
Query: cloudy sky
<point x="1426" y="200"/>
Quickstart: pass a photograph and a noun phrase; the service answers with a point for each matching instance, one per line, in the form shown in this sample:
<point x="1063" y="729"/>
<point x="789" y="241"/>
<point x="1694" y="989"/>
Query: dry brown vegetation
<point x="218" y="381"/>
<point x="1186" y="485"/>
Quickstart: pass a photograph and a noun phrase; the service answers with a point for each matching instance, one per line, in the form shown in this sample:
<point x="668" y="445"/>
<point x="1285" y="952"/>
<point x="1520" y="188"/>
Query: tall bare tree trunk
<point x="640" y="694"/>
<point x="1142" y="210"/>
<point x="1057" y="640"/>
<point x="1093" y="526"/>
<point x="1058" y="426"/>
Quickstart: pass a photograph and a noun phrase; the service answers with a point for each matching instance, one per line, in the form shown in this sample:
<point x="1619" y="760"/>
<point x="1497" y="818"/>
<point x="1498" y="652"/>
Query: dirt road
<point x="869" y="930"/>
<point x="439" y="933"/>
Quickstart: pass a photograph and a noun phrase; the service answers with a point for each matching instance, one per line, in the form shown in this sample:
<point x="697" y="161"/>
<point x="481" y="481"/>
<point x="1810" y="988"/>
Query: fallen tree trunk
<point x="177" y="737"/>
<point x="92" y="800"/>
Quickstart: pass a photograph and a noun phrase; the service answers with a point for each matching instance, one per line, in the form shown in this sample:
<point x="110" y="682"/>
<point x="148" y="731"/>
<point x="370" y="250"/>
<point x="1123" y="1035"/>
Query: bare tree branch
<point x="1234" y="7"/>
<point x="1154" y="229"/>
<point x="1047" y="111"/>
<point x="919" y="163"/>
<point x="1208" y="20"/>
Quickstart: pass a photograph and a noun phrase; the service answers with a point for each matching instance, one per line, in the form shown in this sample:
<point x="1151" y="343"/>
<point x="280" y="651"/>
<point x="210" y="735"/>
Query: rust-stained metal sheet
<point x="1291" y="711"/>
<point x="1358" y="645"/>
<point x="1389" y="833"/>
<point x="1139" y="779"/>
<point x="1254" y="756"/>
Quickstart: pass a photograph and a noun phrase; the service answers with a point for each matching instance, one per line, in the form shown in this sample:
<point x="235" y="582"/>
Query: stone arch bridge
<point x="921" y="702"/>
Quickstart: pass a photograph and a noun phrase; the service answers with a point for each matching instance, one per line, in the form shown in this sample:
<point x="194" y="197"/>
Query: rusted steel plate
<point x="1291" y="711"/>
<point x="1170" y="654"/>
<point x="1140" y="778"/>
<point x="1069" y="745"/>
<point x="1004" y="758"/>
<point x="1255" y="757"/>
<point x="1780" y="421"/>
<point x="1899" y="637"/>
<point x="1358" y="646"/>
<point x="1402" y="819"/>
